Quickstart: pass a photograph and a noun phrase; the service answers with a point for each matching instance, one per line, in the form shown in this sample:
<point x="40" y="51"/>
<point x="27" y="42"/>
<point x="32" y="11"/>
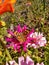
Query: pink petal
<point x="21" y="61"/>
<point x="19" y="29"/>
<point x="24" y="28"/>
<point x="10" y="32"/>
<point x="25" y="49"/>
<point x="29" y="61"/>
<point x="8" y="39"/>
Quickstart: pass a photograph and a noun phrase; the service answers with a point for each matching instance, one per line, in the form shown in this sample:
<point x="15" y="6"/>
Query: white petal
<point x="12" y="62"/>
<point x="37" y="64"/>
<point x="31" y="34"/>
<point x="34" y="46"/>
<point x="42" y="63"/>
<point x="7" y="63"/>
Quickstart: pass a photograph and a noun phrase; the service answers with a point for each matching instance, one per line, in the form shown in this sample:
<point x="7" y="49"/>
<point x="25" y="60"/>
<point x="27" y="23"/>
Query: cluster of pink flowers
<point x="22" y="61"/>
<point x="32" y="39"/>
<point x="36" y="40"/>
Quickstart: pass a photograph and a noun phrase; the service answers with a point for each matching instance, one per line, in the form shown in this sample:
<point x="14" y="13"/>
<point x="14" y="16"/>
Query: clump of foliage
<point x="34" y="14"/>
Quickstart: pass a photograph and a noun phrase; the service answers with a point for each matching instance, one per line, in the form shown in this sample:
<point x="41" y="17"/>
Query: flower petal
<point x="19" y="29"/>
<point x="29" y="61"/>
<point x="21" y="61"/>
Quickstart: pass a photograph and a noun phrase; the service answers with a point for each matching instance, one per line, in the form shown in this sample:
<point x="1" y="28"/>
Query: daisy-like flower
<point x="36" y="39"/>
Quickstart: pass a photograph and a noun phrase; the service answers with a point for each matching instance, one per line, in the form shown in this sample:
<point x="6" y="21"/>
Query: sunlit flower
<point x="6" y="6"/>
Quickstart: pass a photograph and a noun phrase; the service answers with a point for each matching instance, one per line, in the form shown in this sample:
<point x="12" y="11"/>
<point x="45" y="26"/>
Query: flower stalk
<point x="7" y="52"/>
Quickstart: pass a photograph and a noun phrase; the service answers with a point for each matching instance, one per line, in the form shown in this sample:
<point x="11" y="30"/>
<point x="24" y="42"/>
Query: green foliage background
<point x="34" y="16"/>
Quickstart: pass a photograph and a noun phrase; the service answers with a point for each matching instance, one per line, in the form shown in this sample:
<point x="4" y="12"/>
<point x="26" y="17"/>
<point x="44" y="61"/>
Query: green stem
<point x="7" y="52"/>
<point x="44" y="8"/>
<point x="44" y="5"/>
<point x="45" y="59"/>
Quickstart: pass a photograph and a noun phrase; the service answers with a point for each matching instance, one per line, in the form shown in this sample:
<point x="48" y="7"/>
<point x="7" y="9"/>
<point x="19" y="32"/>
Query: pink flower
<point x="40" y="64"/>
<point x="37" y="40"/>
<point x="28" y="61"/>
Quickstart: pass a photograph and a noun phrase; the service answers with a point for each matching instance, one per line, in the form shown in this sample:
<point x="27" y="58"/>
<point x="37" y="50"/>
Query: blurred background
<point x="33" y="13"/>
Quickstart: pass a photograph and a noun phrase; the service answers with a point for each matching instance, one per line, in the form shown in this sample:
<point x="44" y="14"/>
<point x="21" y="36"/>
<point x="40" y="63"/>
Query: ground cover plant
<point x="24" y="32"/>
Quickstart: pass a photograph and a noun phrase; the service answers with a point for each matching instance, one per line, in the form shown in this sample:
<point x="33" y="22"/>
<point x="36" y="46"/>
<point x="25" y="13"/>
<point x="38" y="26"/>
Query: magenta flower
<point x="36" y="40"/>
<point x="14" y="42"/>
<point x="28" y="61"/>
